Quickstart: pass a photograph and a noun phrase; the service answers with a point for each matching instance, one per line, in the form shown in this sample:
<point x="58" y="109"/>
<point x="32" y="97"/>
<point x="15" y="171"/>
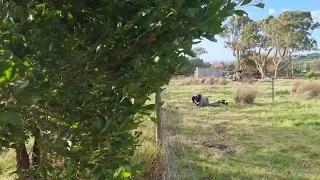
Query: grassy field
<point x="265" y="140"/>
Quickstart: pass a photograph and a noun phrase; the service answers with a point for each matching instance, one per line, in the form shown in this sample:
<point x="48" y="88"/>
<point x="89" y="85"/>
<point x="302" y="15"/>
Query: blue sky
<point x="217" y="51"/>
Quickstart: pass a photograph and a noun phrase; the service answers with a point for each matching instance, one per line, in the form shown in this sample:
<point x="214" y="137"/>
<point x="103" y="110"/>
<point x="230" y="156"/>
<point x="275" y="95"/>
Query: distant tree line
<point x="269" y="45"/>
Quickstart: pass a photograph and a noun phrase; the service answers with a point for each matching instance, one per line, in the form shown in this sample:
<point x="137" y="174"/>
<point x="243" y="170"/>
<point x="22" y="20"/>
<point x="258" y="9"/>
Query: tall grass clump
<point x="306" y="89"/>
<point x="223" y="81"/>
<point x="246" y="94"/>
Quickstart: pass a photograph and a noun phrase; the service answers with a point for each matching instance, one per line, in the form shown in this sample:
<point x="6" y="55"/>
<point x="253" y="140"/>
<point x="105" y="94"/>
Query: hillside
<point x="307" y="57"/>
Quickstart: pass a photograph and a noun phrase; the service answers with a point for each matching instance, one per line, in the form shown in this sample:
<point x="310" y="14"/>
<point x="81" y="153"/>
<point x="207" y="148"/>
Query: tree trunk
<point x="276" y="72"/>
<point x="237" y="67"/>
<point x="292" y="71"/>
<point x="36" y="153"/>
<point x="22" y="159"/>
<point x="263" y="70"/>
<point x="36" y="158"/>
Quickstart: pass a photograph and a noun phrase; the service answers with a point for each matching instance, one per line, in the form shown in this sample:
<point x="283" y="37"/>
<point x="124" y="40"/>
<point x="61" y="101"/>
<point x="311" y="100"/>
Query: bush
<point x="312" y="74"/>
<point x="306" y="89"/>
<point x="79" y="73"/>
<point x="246" y="94"/>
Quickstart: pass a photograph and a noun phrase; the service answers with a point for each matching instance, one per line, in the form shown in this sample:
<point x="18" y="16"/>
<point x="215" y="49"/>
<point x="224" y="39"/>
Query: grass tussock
<point x="223" y="81"/>
<point x="306" y="89"/>
<point x="246" y="94"/>
<point x="247" y="80"/>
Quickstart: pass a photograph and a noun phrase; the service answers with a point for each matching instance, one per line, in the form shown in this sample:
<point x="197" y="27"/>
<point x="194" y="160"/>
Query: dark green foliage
<point x="76" y="75"/>
<point x="312" y="74"/>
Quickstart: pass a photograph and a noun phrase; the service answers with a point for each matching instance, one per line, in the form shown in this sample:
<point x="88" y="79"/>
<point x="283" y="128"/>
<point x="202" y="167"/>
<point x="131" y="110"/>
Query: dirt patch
<point x="222" y="147"/>
<point x="220" y="129"/>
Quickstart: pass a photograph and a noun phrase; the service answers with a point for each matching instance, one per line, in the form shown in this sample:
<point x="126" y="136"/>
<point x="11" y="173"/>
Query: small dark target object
<point x="224" y="102"/>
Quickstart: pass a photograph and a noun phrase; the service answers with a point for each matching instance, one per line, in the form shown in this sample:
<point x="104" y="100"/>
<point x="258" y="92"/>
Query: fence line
<point x="167" y="145"/>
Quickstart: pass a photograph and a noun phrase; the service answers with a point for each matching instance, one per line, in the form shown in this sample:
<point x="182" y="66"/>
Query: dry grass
<point x="223" y="81"/>
<point x="154" y="170"/>
<point x="247" y="80"/>
<point x="246" y="94"/>
<point x="306" y="89"/>
<point x="206" y="81"/>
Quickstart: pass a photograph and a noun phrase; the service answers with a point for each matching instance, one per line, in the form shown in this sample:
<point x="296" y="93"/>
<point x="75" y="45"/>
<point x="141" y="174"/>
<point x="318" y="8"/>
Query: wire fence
<point x="176" y="166"/>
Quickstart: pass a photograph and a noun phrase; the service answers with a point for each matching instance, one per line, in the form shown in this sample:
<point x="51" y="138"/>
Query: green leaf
<point x="125" y="174"/>
<point x="35" y="98"/>
<point x="260" y="5"/>
<point x="245" y="2"/>
<point x="18" y="36"/>
<point x="50" y="47"/>
<point x="189" y="52"/>
<point x="155" y="120"/>
<point x="117" y="172"/>
<point x="149" y="107"/>
<point x="240" y="12"/>
<point x="70" y="16"/>
<point x="9" y="73"/>
<point x="211" y="38"/>
<point x="74" y="126"/>
<point x="76" y="149"/>
<point x="9" y="118"/>
<point x="138" y="167"/>
<point x="22" y="84"/>
<point x="127" y="125"/>
<point x="26" y="63"/>
<point x="4" y="65"/>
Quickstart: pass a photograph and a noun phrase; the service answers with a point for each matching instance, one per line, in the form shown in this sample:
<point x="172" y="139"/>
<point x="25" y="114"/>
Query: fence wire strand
<point x="167" y="131"/>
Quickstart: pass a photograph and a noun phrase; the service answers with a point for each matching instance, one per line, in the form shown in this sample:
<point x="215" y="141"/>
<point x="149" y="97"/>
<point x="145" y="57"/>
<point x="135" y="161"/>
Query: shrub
<point x="79" y="73"/>
<point x="203" y="80"/>
<point x="312" y="74"/>
<point x="246" y="94"/>
<point x="306" y="89"/>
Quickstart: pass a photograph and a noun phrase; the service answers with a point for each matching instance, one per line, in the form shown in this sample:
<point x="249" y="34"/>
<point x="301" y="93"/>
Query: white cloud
<point x="316" y="15"/>
<point x="272" y="11"/>
<point x="284" y="9"/>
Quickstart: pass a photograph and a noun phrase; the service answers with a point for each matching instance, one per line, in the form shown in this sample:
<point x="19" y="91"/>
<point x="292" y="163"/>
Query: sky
<point x="217" y="51"/>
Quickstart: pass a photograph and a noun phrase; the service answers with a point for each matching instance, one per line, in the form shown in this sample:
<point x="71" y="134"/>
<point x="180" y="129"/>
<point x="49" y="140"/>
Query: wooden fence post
<point x="158" y="114"/>
<point x="272" y="89"/>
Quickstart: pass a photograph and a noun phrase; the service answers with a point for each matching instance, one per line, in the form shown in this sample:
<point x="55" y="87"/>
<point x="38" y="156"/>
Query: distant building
<point x="207" y="72"/>
<point x="217" y="65"/>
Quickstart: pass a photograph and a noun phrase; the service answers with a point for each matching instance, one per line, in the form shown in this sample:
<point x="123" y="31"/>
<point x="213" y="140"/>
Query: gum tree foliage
<point x="275" y="39"/>
<point x="289" y="33"/>
<point x="257" y="44"/>
<point x="315" y="66"/>
<point x="233" y="34"/>
<point x="75" y="76"/>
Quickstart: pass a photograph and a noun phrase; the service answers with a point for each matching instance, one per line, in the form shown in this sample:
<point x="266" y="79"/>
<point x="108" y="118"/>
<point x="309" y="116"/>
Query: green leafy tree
<point x="195" y="61"/>
<point x="233" y="35"/>
<point x="257" y="44"/>
<point x="289" y="33"/>
<point x="75" y="76"/>
<point x="228" y="66"/>
<point x="315" y="66"/>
